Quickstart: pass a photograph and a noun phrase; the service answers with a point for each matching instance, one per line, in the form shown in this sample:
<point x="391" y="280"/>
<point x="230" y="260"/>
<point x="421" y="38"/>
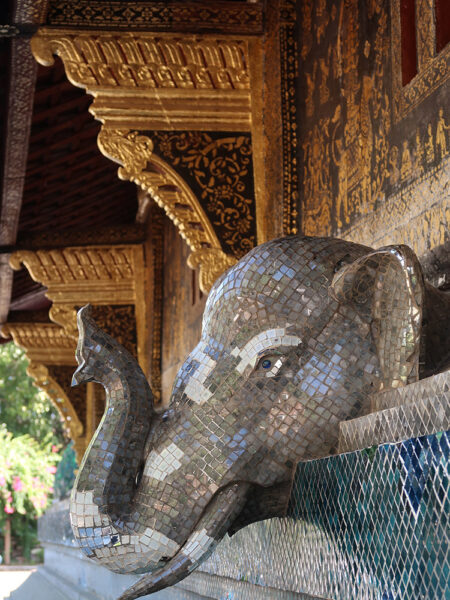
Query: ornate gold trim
<point x="160" y="81"/>
<point x="212" y="263"/>
<point x="78" y="273"/>
<point x="140" y="165"/>
<point x="43" y="342"/>
<point x="74" y="276"/>
<point x="54" y="391"/>
<point x="433" y="70"/>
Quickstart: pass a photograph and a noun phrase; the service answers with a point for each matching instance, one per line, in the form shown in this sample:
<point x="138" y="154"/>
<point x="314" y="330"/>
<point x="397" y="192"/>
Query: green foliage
<point x="27" y="473"/>
<point x="31" y="434"/>
<point x="65" y="473"/>
<point x="23" y="408"/>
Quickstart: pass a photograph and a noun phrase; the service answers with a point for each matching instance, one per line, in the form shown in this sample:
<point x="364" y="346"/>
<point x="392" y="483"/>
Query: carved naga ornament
<point x="296" y="337"/>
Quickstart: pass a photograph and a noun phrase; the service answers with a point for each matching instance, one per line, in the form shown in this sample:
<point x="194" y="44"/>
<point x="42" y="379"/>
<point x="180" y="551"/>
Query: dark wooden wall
<point x="183" y="306"/>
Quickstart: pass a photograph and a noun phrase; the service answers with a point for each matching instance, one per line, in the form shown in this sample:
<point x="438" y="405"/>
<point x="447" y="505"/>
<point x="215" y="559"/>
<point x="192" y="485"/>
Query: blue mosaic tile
<point x="367" y="525"/>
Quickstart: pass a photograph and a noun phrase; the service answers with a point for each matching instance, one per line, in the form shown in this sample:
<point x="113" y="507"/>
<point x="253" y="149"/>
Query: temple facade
<point x="147" y="147"/>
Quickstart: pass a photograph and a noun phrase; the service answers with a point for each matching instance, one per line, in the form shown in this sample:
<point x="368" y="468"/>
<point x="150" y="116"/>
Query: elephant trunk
<point x="212" y="526"/>
<point x="102" y="497"/>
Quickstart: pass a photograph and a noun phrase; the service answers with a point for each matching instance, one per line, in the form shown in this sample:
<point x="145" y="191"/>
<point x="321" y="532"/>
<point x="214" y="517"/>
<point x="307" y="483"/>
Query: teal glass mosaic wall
<point x="367" y="525"/>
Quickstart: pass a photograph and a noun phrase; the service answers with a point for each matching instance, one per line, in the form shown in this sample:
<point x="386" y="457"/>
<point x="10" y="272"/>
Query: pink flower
<point x="9" y="499"/>
<point x="17" y="484"/>
<point x="54" y="448"/>
<point x="43" y="501"/>
<point x="9" y="509"/>
<point x="51" y="469"/>
<point x="2" y="481"/>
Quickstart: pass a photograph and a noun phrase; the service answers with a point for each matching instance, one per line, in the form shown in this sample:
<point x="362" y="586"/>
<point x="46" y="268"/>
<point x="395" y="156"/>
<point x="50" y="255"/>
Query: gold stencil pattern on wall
<point x="356" y="157"/>
<point x="218" y="168"/>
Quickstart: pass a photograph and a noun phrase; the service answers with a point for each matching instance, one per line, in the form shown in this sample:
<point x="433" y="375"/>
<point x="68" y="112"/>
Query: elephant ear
<point x="386" y="289"/>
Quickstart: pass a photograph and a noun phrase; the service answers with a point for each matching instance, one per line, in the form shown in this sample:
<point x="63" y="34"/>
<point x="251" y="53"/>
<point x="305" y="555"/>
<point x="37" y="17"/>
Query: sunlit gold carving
<point x="145" y="60"/>
<point x="141" y="77"/>
<point x="43" y="342"/>
<point x="212" y="262"/>
<point x="54" y="391"/>
<point x="74" y="275"/>
<point x="66" y="316"/>
<point x="135" y="153"/>
<point x="101" y="275"/>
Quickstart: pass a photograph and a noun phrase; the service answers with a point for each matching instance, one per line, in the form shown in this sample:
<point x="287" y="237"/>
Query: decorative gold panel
<point x="147" y="81"/>
<point x="375" y="156"/>
<point x="433" y="70"/>
<point x="106" y="273"/>
<point x="43" y="342"/>
<point x="159" y="81"/>
<point x="170" y="191"/>
<point x="100" y="275"/>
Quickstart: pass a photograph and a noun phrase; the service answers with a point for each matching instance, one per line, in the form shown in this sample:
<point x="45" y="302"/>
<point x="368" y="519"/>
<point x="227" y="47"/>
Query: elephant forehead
<point x="284" y="274"/>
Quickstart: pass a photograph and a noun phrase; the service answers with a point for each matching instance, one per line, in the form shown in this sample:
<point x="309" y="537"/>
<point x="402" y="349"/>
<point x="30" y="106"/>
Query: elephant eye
<point x="269" y="365"/>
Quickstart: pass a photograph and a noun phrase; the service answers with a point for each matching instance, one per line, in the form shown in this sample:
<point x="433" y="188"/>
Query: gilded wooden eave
<point x="145" y="81"/>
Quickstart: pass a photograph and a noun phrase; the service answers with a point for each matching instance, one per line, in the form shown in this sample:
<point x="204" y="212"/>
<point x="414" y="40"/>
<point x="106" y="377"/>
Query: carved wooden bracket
<point x="100" y="275"/>
<point x="43" y="342"/>
<point x="144" y="81"/>
<point x="135" y="153"/>
<point x="156" y="81"/>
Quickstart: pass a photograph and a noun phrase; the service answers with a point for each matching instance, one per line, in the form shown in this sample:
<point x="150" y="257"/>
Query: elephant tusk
<point x="218" y="517"/>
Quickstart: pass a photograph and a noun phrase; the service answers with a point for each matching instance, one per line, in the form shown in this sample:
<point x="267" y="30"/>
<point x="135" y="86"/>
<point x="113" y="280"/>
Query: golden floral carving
<point x="140" y="165"/>
<point x="221" y="168"/>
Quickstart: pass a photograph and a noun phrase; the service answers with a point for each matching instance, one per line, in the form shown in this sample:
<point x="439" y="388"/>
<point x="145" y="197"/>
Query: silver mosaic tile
<point x="417" y="409"/>
<point x="296" y="338"/>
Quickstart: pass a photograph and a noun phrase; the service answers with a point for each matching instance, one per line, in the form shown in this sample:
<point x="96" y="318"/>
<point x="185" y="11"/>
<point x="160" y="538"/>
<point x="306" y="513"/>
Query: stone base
<point x="79" y="579"/>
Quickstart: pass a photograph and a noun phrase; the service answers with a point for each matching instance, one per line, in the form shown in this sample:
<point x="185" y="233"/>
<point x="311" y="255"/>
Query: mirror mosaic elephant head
<point x="296" y="337"/>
